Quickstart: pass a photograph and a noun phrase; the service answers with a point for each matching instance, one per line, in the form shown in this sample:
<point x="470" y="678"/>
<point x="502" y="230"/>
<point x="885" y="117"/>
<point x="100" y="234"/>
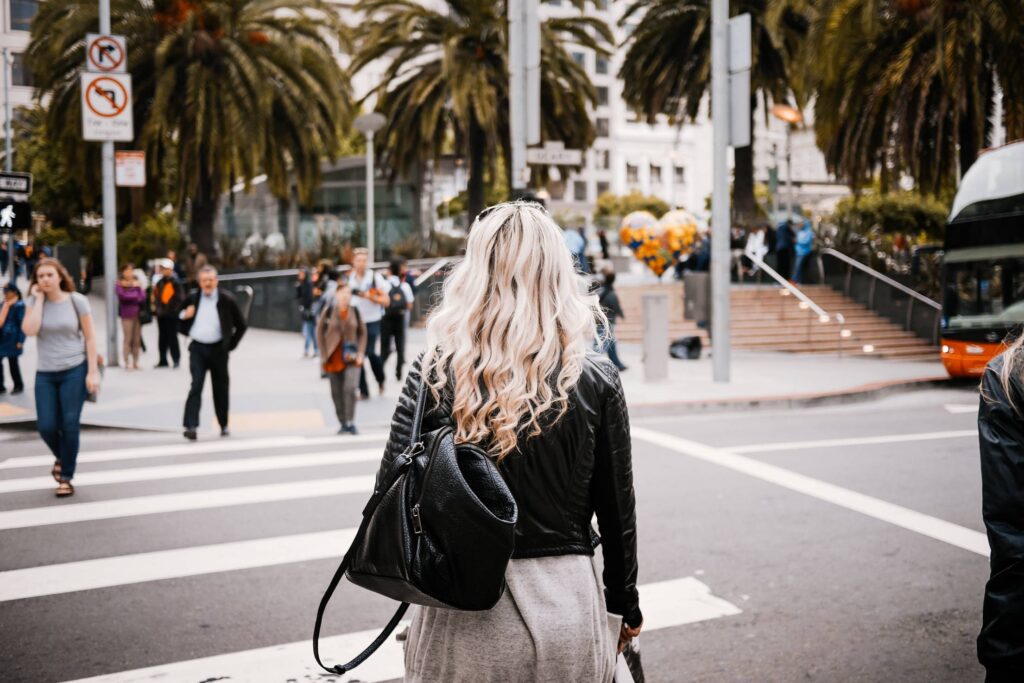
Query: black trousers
<point x="784" y="262"/>
<point x="203" y="358"/>
<point x="393" y="328"/>
<point x="167" y="327"/>
<point x="372" y="333"/>
<point x="15" y="372"/>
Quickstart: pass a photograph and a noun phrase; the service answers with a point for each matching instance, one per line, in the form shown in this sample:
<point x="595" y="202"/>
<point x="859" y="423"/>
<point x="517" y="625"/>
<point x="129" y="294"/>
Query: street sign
<point x="16" y="183"/>
<point x="106" y="107"/>
<point x="554" y="154"/>
<point x="15" y="216"/>
<point x="130" y="169"/>
<point x="105" y="54"/>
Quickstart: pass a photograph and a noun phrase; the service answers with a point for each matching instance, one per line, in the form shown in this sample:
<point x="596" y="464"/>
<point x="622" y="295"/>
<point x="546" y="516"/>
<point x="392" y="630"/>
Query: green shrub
<point x="911" y="214"/>
<point x="151" y="238"/>
<point x="611" y="208"/>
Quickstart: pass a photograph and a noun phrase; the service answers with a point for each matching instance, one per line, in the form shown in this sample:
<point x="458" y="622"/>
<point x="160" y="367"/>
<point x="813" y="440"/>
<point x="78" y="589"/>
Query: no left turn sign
<point x="106" y="107"/>
<point x="105" y="54"/>
<point x="106" y="97"/>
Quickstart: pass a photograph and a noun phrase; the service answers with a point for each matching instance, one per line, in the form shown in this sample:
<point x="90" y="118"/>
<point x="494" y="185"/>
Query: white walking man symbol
<point x="7" y="216"/>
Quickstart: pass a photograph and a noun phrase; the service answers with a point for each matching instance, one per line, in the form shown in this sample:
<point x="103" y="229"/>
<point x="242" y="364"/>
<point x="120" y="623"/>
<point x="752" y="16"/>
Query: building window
<point x="579" y="190"/>
<point x="22" y="14"/>
<point x="602" y="159"/>
<point x="655" y="173"/>
<point x="601" y="65"/>
<point x="601" y="126"/>
<point x="632" y="173"/>
<point x="20" y="75"/>
<point x="680" y="174"/>
<point x="603" y="187"/>
<point x="602" y="96"/>
<point x="580" y="59"/>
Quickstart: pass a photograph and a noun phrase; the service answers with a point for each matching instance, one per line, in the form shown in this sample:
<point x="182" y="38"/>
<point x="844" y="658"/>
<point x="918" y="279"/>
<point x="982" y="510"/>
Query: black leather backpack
<point x="438" y="530"/>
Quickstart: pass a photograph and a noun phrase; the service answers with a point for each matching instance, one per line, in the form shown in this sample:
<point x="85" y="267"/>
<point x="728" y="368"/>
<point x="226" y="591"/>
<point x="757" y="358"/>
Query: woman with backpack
<point x="341" y="337"/>
<point x="12" y="339"/>
<point x="508" y="368"/>
<point x="67" y="369"/>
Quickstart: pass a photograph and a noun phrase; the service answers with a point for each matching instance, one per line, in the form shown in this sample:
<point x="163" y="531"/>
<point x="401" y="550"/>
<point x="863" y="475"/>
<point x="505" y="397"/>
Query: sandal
<point x="65" y="489"/>
<point x="56" y="471"/>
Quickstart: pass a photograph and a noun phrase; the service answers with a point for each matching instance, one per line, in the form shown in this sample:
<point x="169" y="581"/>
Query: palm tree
<point x="907" y="86"/>
<point x="228" y="89"/>
<point x="446" y="84"/>
<point x="667" y="67"/>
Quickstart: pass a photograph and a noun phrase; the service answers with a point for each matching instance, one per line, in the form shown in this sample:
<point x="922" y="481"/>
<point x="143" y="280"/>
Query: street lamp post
<point x="368" y="124"/>
<point x="790" y="117"/>
<point x="8" y="152"/>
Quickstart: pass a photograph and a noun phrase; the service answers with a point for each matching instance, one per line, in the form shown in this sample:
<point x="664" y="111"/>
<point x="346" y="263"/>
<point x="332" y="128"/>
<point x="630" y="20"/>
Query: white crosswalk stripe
<point x="178" y="502"/>
<point x="198" y="469"/>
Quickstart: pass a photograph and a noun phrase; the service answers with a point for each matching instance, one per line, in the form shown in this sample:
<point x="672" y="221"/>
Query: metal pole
<point x="369" y="197"/>
<point x="789" y="173"/>
<point x="8" y="157"/>
<point x="109" y="225"/>
<point x="720" y="210"/>
<point x="517" y="89"/>
<point x="775" y="190"/>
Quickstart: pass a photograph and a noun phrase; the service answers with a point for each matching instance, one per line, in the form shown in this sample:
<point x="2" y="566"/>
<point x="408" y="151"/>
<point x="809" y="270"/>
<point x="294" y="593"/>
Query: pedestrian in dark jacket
<point x="12" y="338"/>
<point x="609" y="301"/>
<point x="1001" y="434"/>
<point x="214" y="322"/>
<point x="304" y="294"/>
<point x="168" y="295"/>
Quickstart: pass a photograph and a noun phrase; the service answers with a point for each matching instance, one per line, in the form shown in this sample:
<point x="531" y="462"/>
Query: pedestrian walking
<point x="1001" y="436"/>
<point x="577" y="246"/>
<point x="130" y="298"/>
<point x="214" y="322"/>
<point x="12" y="337"/>
<point x="609" y="301"/>
<point x="341" y="336"/>
<point x="168" y="295"/>
<point x="304" y="294"/>
<point x="370" y="294"/>
<point x="195" y="261"/>
<point x="507" y="368"/>
<point x="67" y="369"/>
<point x="179" y="269"/>
<point x="602" y="238"/>
<point x="394" y="323"/>
<point x="784" y="249"/>
<point x="804" y="247"/>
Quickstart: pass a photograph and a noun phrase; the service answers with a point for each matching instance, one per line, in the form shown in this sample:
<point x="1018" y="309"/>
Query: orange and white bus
<point x="983" y="262"/>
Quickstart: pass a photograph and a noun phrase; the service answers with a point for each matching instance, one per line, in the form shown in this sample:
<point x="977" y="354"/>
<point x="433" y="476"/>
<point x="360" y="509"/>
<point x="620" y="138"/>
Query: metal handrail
<point x="880" y="276"/>
<point x="822" y="313"/>
<point x="429" y="272"/>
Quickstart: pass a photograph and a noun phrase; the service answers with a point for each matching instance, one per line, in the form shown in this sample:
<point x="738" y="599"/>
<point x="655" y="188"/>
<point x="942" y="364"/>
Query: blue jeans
<point x="798" y="269"/>
<point x="609" y="346"/>
<point x="309" y="336"/>
<point x="372" y="334"/>
<point x="59" y="399"/>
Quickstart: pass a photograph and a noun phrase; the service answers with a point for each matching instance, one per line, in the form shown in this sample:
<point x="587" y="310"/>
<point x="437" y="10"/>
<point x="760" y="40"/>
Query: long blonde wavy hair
<point x="512" y="329"/>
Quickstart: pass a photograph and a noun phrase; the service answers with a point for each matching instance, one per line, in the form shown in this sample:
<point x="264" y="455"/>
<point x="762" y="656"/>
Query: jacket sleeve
<point x="614" y="502"/>
<point x="360" y="333"/>
<point x="238" y="324"/>
<point x="1001" y="435"/>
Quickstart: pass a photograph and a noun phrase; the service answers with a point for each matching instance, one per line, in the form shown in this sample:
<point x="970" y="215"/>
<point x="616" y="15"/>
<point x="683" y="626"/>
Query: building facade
<point x="15" y="24"/>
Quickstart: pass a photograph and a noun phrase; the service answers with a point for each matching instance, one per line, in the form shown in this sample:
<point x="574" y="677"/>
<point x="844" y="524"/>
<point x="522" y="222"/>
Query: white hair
<point x="512" y="329"/>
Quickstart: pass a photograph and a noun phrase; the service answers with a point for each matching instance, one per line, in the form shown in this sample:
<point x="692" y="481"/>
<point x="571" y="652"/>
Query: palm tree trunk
<point x="475" y="183"/>
<point x="744" y="206"/>
<point x="204" y="211"/>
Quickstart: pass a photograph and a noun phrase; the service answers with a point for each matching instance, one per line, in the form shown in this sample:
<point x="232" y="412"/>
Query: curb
<point x="860" y="394"/>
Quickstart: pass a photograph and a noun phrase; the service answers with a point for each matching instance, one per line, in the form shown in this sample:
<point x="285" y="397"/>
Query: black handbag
<point x="439" y="530"/>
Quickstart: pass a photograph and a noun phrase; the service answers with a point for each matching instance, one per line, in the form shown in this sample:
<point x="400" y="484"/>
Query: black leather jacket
<point x="1001" y="434"/>
<point x="580" y="466"/>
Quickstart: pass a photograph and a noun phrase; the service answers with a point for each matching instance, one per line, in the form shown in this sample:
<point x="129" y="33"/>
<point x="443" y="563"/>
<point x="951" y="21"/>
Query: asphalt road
<point x="855" y="555"/>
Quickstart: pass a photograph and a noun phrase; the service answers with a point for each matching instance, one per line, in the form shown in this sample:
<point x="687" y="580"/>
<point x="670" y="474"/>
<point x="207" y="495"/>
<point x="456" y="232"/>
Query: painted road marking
<point x="939" y="529"/>
<point x="178" y="502"/>
<point x="961" y="407"/>
<point x="222" y="446"/>
<point x="199" y="469"/>
<point x="853" y="441"/>
<point x="34" y="582"/>
<point x="666" y="604"/>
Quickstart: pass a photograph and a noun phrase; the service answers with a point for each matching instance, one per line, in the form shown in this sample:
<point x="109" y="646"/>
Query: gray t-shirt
<point x="60" y="341"/>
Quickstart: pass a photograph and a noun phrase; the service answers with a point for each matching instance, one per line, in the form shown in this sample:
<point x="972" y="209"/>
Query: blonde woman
<point x="1001" y="434"/>
<point x="510" y="368"/>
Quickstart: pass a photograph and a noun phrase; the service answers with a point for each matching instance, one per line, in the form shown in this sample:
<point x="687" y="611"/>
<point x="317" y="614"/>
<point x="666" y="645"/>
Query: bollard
<point x="655" y="345"/>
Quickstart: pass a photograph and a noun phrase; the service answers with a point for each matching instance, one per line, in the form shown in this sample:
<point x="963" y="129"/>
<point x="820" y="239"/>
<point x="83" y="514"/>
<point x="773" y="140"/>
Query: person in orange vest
<point x="168" y="293"/>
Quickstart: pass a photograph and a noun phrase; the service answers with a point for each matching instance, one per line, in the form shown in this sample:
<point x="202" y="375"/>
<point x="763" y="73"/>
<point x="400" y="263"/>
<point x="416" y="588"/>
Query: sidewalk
<point x="275" y="390"/>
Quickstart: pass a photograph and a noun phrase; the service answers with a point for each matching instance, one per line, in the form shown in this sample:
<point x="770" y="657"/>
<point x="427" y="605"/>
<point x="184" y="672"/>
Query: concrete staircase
<point x="763" y="319"/>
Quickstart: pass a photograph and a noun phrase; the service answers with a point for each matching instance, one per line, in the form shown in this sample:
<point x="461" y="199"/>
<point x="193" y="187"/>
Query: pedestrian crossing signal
<point x="15" y="216"/>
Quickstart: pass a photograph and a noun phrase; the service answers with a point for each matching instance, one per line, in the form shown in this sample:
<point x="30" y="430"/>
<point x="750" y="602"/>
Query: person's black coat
<point x="561" y="478"/>
<point x="232" y="322"/>
<point x="1001" y="435"/>
<point x="608" y="298"/>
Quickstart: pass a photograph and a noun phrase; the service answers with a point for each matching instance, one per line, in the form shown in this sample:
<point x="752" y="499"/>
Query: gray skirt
<point x="550" y="625"/>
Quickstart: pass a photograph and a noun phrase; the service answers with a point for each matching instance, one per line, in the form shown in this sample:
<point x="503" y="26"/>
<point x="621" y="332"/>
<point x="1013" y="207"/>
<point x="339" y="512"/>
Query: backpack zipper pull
<point x="417" y="523"/>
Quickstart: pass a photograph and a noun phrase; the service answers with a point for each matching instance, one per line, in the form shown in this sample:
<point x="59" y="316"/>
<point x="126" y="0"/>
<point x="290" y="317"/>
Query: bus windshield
<point x="982" y="294"/>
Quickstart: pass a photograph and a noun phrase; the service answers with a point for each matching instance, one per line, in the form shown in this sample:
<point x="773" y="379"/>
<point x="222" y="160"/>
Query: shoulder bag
<point x="438" y="531"/>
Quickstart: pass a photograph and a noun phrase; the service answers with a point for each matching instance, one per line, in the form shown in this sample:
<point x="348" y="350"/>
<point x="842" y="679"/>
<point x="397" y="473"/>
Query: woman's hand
<point x="92" y="381"/>
<point x="359" y="359"/>
<point x="627" y="634"/>
<point x="34" y="290"/>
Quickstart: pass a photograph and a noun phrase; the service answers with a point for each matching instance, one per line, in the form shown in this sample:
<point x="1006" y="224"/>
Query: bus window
<point x="983" y="294"/>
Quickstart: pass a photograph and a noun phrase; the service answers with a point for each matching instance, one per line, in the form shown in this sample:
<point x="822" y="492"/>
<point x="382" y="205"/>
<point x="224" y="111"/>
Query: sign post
<point x="106" y="117"/>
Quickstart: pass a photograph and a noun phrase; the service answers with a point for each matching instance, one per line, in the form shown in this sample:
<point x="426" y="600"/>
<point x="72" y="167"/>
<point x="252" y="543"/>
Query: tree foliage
<point x="613" y="206"/>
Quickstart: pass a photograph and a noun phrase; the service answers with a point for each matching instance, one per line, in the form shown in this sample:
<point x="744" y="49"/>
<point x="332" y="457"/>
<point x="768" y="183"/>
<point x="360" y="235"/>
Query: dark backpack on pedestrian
<point x="398" y="304"/>
<point x="438" y="530"/>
